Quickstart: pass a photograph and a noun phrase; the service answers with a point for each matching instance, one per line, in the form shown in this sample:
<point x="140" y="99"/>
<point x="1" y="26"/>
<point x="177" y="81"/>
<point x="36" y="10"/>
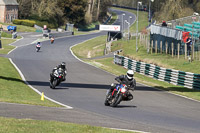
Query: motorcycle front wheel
<point x="54" y="83"/>
<point x="116" y="100"/>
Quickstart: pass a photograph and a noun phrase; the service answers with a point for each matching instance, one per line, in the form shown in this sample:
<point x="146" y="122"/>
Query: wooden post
<point x="146" y="45"/>
<point x="156" y="46"/>
<point x="185" y="51"/>
<point x="199" y="52"/>
<point x="178" y="50"/>
<point x="192" y="51"/>
<point x="151" y="46"/>
<point x="161" y="47"/>
<point x="166" y="47"/>
<point x="172" y="49"/>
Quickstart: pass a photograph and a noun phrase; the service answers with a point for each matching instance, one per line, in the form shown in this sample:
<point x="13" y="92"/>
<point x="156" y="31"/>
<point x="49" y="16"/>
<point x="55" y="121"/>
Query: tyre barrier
<point x="175" y="77"/>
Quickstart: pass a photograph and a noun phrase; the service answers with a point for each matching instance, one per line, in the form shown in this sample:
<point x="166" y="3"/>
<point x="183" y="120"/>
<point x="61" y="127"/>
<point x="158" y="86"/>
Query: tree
<point x="74" y="10"/>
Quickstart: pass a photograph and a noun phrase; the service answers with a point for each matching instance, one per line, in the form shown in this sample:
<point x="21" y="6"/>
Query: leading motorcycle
<point x="119" y="93"/>
<point x="58" y="76"/>
<point x="38" y="47"/>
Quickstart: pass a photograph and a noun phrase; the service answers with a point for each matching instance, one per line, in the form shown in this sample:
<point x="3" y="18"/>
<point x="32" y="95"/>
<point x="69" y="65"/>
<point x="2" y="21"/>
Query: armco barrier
<point x="186" y="79"/>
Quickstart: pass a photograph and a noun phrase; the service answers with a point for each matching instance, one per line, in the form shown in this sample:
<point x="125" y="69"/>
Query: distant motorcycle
<point x="120" y="93"/>
<point x="52" y="40"/>
<point x="58" y="77"/>
<point x="38" y="47"/>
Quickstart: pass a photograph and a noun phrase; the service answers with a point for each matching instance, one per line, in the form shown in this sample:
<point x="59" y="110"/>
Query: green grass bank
<point x="11" y="125"/>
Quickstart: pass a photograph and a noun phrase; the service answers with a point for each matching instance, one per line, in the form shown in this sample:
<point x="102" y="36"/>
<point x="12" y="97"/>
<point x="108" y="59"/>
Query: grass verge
<point x="92" y="48"/>
<point x="14" y="90"/>
<point x="10" y="125"/>
<point x="22" y="28"/>
<point x="142" y="19"/>
<point x="11" y="84"/>
<point x="5" y="47"/>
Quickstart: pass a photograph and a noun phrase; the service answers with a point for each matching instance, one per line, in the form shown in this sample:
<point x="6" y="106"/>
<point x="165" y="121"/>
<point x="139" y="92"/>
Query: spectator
<point x="164" y="24"/>
<point x="189" y="45"/>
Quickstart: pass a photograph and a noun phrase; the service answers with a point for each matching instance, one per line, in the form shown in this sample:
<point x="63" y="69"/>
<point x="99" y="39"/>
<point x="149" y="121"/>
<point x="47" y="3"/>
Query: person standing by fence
<point x="189" y="45"/>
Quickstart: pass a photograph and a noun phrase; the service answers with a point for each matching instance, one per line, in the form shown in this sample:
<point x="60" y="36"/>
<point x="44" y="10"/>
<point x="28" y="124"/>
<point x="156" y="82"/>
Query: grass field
<point x="93" y="49"/>
<point x="11" y="125"/>
<point x="5" y="47"/>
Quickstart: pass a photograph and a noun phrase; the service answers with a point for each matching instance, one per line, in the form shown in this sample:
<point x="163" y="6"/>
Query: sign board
<point x="193" y="17"/>
<point x="109" y="27"/>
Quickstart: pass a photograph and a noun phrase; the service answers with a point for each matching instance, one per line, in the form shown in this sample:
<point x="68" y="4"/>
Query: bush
<point x="29" y="23"/>
<point x="42" y="23"/>
<point x="17" y="22"/>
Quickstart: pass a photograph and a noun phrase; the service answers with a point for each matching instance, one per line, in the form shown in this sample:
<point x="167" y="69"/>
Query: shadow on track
<point x="125" y="106"/>
<point x="65" y="85"/>
<point x="70" y="85"/>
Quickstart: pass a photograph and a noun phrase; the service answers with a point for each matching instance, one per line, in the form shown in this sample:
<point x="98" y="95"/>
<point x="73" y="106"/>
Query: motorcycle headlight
<point x="123" y="90"/>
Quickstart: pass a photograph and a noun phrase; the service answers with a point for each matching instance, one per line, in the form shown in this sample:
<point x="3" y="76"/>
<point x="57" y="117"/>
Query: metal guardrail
<point x="186" y="79"/>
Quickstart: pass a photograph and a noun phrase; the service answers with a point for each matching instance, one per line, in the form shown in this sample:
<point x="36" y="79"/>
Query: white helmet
<point x="130" y="74"/>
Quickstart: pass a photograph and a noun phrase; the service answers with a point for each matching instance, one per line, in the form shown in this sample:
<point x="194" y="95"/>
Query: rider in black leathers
<point x="64" y="69"/>
<point x="127" y="80"/>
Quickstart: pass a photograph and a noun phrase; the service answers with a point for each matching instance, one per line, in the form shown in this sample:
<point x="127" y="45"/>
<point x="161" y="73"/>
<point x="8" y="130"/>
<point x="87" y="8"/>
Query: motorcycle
<point x="58" y="77"/>
<point x="38" y="47"/>
<point x="52" y="40"/>
<point x="120" y="93"/>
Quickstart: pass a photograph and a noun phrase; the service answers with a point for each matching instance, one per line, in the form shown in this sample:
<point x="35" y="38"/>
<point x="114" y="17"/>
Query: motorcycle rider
<point x="61" y="66"/>
<point x="38" y="43"/>
<point x="52" y="40"/>
<point x="127" y="80"/>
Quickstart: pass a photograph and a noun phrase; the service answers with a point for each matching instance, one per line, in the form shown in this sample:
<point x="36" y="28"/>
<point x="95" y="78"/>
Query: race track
<point x="85" y="88"/>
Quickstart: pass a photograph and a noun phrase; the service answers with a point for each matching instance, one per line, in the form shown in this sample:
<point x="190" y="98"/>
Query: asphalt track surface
<point x="151" y="110"/>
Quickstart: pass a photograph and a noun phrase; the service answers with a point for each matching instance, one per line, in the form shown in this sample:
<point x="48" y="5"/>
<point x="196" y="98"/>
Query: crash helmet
<point x="38" y="43"/>
<point x="130" y="74"/>
<point x="62" y="65"/>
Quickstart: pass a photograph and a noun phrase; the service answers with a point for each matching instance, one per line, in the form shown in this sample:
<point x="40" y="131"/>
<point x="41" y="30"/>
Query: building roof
<point x="8" y="2"/>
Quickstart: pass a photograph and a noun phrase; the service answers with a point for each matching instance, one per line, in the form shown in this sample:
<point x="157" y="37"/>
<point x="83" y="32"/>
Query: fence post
<point x="185" y="51"/>
<point x="192" y="51"/>
<point x="172" y="49"/>
<point x="161" y="47"/>
<point x="156" y="46"/>
<point x="178" y="50"/>
<point x="199" y="52"/>
<point x="146" y="45"/>
<point x="166" y="47"/>
<point x="151" y="46"/>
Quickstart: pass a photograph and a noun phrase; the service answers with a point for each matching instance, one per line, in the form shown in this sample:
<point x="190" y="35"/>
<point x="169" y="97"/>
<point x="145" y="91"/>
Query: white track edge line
<point x="128" y="130"/>
<point x="23" y="78"/>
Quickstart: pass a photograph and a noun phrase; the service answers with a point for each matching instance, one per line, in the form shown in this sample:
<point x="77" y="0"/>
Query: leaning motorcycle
<point x="58" y="77"/>
<point x="38" y="47"/>
<point x="120" y="93"/>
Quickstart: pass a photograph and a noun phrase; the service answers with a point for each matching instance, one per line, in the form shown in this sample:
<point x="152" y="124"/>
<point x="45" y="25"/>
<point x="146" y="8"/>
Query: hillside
<point x="165" y="9"/>
<point x="173" y="10"/>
